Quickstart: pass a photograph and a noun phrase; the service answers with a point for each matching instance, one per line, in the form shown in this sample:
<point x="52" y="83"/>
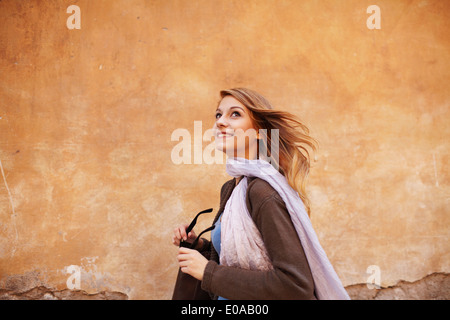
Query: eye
<point x="219" y="114"/>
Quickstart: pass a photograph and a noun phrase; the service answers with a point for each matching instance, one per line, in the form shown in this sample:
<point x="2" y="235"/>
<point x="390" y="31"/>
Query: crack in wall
<point x="13" y="215"/>
<point x="435" y="286"/>
<point x="33" y="285"/>
<point x="44" y="293"/>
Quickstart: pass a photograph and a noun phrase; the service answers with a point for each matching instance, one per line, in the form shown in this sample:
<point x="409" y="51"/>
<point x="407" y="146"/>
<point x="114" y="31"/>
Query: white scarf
<point x="241" y="242"/>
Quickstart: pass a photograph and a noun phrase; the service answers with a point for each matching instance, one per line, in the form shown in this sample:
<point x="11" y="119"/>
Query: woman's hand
<point x="192" y="262"/>
<point x="180" y="233"/>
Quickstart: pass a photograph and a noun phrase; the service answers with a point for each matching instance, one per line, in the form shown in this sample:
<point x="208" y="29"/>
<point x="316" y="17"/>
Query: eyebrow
<point x="218" y="109"/>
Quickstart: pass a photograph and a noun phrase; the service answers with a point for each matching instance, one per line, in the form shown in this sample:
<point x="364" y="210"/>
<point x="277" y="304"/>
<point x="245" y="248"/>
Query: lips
<point x="224" y="134"/>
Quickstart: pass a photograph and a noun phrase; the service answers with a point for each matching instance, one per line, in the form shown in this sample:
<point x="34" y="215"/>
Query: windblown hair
<point x="294" y="138"/>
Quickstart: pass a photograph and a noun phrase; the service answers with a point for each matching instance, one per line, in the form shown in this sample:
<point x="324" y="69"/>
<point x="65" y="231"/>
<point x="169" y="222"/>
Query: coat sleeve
<point x="291" y="277"/>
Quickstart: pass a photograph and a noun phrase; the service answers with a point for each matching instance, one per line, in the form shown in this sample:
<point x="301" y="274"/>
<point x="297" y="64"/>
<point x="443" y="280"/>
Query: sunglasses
<point x="191" y="226"/>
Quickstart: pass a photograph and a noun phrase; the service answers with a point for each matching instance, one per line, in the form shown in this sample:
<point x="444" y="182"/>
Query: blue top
<point x="215" y="235"/>
<point x="215" y="239"/>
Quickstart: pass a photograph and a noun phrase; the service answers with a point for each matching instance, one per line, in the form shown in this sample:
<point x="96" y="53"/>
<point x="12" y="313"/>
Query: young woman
<point x="263" y="245"/>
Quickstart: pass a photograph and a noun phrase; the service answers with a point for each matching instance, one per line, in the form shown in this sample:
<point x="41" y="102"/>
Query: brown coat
<point x="291" y="277"/>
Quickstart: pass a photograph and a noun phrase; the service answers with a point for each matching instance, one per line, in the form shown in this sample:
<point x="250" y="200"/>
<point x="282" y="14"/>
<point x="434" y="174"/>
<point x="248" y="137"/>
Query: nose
<point x="221" y="122"/>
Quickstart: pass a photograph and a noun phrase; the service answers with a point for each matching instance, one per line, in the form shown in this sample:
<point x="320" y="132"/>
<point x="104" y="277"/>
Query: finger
<point x="185" y="270"/>
<point x="183" y="264"/>
<point x="182" y="250"/>
<point x="184" y="257"/>
<point x="176" y="237"/>
<point x="177" y="233"/>
<point x="183" y="232"/>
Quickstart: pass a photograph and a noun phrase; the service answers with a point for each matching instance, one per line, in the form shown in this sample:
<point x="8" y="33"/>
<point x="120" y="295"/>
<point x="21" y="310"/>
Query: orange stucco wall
<point x="86" y="117"/>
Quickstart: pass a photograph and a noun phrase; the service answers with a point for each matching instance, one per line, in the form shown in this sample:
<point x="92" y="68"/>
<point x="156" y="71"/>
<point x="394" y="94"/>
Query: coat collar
<point x="228" y="189"/>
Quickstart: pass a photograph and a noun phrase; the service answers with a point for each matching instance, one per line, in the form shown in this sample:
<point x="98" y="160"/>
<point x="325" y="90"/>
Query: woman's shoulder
<point x="260" y="188"/>
<point x="259" y="191"/>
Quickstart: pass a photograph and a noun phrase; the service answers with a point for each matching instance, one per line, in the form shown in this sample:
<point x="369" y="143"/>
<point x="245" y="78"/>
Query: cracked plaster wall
<point x="86" y="118"/>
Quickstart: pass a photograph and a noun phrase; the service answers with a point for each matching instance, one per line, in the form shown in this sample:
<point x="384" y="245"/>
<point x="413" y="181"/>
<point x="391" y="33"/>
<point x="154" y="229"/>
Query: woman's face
<point x="233" y="130"/>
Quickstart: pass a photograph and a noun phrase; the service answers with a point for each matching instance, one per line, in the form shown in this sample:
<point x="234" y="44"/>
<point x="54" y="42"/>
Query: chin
<point x="223" y="146"/>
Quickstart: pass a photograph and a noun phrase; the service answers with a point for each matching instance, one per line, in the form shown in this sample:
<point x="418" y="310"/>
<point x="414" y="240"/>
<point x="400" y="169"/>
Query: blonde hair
<point x="294" y="138"/>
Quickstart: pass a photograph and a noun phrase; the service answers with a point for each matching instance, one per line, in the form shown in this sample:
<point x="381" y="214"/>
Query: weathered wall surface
<point x="86" y="118"/>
